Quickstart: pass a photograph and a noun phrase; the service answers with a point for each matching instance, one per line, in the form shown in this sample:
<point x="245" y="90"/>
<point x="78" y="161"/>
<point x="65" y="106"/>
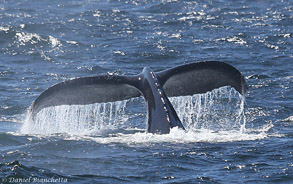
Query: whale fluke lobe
<point x="156" y="87"/>
<point x="87" y="90"/>
<point x="196" y="78"/>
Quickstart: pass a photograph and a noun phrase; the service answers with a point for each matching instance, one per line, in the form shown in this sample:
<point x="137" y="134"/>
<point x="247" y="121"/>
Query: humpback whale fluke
<point x="156" y="87"/>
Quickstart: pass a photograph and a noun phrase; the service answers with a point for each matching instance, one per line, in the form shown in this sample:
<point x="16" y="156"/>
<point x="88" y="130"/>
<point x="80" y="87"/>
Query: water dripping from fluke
<point x="77" y="119"/>
<point x="219" y="110"/>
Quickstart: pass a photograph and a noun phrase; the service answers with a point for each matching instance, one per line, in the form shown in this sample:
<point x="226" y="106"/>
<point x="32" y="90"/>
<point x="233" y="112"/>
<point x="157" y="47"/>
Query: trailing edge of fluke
<point x="156" y="87"/>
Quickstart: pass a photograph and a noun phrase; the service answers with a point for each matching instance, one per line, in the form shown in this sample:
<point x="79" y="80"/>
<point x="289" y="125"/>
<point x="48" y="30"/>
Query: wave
<point x="18" y="41"/>
<point x="15" y="172"/>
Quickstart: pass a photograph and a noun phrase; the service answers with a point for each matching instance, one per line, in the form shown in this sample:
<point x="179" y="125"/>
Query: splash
<point x="176" y="136"/>
<point x="77" y="119"/>
<point x="219" y="110"/>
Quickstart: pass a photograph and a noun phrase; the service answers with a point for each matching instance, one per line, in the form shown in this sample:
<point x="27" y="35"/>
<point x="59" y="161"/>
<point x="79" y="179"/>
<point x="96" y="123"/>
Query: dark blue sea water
<point x="46" y="42"/>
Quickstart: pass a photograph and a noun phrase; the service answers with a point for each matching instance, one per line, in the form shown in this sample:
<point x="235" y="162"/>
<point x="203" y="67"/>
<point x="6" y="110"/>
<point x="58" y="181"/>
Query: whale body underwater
<point x="155" y="87"/>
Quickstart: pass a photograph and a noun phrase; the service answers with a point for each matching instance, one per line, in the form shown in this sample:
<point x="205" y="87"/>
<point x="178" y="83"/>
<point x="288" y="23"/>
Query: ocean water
<point x="229" y="139"/>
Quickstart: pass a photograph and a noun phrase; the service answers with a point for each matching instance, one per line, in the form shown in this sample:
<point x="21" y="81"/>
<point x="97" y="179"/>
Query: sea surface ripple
<point x="46" y="42"/>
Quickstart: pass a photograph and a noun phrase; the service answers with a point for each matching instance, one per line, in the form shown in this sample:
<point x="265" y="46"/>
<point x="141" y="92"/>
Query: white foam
<point x="5" y="29"/>
<point x="54" y="42"/>
<point x="289" y="119"/>
<point x="176" y="136"/>
<point x="23" y="38"/>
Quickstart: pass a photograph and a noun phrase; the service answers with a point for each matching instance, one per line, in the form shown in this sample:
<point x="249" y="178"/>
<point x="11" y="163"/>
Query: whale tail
<point x="188" y="79"/>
